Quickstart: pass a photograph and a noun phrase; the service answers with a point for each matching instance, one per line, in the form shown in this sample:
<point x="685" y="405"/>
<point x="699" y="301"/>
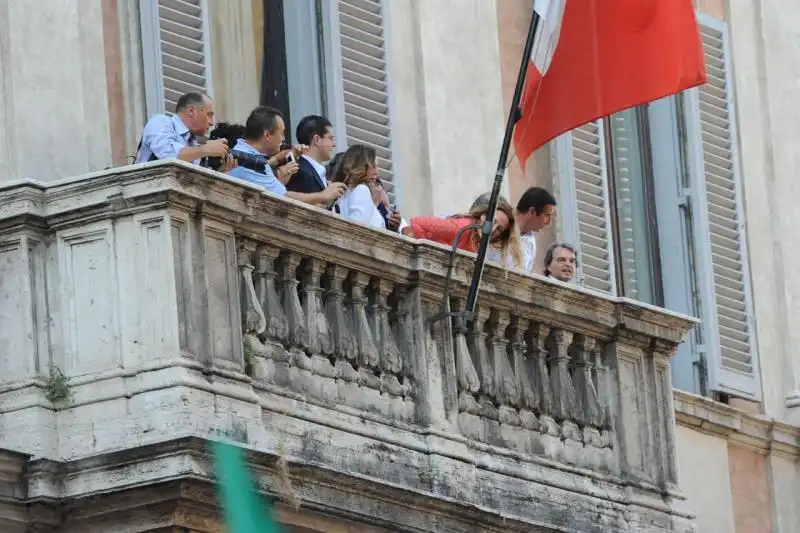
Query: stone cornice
<point x="757" y="432"/>
<point x="184" y="466"/>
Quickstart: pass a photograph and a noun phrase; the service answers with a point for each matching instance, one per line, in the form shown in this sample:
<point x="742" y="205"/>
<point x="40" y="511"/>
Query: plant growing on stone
<point x="57" y="389"/>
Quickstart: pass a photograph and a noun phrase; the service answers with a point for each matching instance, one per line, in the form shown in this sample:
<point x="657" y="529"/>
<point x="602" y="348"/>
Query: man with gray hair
<point x="560" y="262"/>
<point x="174" y="137"/>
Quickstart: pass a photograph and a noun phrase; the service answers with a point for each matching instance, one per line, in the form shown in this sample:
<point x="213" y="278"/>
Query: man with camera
<point x="258" y="153"/>
<point x="174" y="137"/>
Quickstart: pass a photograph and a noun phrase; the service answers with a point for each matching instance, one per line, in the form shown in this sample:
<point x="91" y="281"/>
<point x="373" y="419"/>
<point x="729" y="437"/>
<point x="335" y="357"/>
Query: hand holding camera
<point x="215" y="148"/>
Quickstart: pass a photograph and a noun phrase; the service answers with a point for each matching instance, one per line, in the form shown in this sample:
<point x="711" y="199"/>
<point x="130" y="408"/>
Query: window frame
<point x="643" y="133"/>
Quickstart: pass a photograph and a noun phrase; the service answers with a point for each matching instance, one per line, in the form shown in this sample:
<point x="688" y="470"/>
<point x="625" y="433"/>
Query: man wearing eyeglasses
<point x="317" y="133"/>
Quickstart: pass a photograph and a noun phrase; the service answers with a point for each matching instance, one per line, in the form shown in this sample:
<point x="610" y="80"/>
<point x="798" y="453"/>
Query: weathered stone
<point x="182" y="307"/>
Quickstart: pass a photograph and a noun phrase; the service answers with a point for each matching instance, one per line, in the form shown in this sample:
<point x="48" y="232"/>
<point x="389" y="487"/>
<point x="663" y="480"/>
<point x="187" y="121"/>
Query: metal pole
<point x="513" y="116"/>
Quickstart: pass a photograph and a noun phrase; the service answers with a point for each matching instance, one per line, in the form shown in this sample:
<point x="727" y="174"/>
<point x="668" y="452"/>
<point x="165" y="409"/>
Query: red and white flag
<point x="592" y="58"/>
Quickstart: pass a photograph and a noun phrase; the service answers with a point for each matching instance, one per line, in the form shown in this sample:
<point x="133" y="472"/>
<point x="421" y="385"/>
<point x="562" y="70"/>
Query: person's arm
<point x="160" y="136"/>
<point x="320" y="199"/>
<point x="425" y="227"/>
<point x="313" y="198"/>
<point x="441" y="230"/>
<point x="265" y="179"/>
<point x="191" y="153"/>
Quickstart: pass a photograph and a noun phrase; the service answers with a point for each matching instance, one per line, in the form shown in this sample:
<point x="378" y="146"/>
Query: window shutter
<point x="364" y="99"/>
<point x="585" y="213"/>
<point x="176" y="55"/>
<point x="722" y="260"/>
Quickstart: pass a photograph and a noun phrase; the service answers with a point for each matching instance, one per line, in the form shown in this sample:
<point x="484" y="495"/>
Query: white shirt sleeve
<point x="360" y="207"/>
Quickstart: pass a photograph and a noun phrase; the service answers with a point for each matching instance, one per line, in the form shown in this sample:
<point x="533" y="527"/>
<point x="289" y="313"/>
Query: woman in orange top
<point x="505" y="234"/>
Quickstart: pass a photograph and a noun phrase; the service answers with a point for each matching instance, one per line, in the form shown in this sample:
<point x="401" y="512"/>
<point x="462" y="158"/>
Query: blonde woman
<point x="505" y="234"/>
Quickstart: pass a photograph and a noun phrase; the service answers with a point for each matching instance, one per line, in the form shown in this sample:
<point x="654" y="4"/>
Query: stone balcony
<point x="181" y="306"/>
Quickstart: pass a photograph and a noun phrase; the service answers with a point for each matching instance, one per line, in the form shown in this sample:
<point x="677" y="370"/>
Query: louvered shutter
<point x="583" y="191"/>
<point x="176" y="56"/>
<point x="364" y="94"/>
<point x="722" y="260"/>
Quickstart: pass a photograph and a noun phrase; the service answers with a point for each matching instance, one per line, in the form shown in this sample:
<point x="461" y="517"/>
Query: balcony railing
<point x="226" y="309"/>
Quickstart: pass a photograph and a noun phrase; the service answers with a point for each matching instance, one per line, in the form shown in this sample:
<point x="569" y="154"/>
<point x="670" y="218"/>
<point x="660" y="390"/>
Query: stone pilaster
<point x="53" y="97"/>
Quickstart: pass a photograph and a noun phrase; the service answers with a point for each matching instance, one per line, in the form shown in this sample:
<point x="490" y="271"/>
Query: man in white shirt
<point x="535" y="210"/>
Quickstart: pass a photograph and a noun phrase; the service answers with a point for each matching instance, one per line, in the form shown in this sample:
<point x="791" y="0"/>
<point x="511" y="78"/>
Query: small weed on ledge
<point x="57" y="388"/>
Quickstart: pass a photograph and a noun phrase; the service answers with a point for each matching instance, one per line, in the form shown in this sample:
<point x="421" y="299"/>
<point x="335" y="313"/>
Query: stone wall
<point x="162" y="301"/>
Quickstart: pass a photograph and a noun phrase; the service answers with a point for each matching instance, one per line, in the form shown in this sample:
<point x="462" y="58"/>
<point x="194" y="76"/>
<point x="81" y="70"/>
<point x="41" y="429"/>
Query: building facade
<point x="678" y="209"/>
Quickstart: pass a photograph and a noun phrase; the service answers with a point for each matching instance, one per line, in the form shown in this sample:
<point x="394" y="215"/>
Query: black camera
<point x="255" y="162"/>
<point x="231" y="133"/>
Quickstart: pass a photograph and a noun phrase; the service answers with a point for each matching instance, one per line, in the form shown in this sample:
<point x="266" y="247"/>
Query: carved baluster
<point x="529" y="400"/>
<point x="505" y="383"/>
<point x="601" y="376"/>
<point x="277" y="327"/>
<point x="440" y="360"/>
<point x="560" y="379"/>
<point x="538" y="335"/>
<point x="253" y="320"/>
<point x="589" y="410"/>
<point x="480" y="357"/>
<point x="599" y="371"/>
<point x="468" y="381"/>
<point x="564" y="406"/>
<point x="388" y="352"/>
<point x="320" y="343"/>
<point x="549" y="443"/>
<point x="402" y="332"/>
<point x="344" y="344"/>
<point x="298" y="333"/>
<point x="365" y="345"/>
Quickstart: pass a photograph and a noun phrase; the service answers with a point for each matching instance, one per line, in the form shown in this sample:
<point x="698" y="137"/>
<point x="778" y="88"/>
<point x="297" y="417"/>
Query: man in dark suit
<point x="317" y="133"/>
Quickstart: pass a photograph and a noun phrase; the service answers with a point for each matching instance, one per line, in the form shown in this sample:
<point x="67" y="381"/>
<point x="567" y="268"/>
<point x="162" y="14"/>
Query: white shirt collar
<point x="321" y="170"/>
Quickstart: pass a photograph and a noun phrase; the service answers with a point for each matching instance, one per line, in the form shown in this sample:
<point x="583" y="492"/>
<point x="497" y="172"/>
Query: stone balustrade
<point x="178" y="303"/>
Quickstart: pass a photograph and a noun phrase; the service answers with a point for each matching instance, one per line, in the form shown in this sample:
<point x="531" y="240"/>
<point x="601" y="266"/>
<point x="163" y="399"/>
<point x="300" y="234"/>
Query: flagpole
<point x="513" y="116"/>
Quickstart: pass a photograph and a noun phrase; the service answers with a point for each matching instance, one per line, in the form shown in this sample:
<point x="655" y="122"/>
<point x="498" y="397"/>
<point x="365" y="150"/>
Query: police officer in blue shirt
<point x="174" y="137"/>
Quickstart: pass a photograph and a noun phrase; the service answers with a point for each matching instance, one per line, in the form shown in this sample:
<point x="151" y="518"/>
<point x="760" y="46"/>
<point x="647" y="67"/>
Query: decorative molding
<point x="757" y="432"/>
